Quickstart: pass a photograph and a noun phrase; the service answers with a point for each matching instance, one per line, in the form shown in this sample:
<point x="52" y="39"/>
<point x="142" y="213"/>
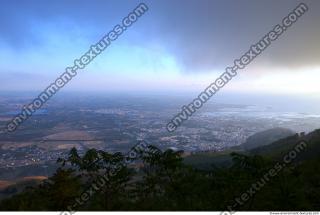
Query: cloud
<point x="206" y="34"/>
<point x="201" y="35"/>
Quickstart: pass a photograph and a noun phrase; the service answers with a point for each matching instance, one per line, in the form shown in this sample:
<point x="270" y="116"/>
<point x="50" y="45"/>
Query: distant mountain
<point x="266" y="137"/>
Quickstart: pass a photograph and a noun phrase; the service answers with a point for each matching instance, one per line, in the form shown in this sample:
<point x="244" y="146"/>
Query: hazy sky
<point x="177" y="45"/>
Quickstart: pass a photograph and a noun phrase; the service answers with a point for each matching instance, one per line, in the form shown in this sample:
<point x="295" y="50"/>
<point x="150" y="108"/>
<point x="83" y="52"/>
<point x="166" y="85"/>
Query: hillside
<point x="277" y="149"/>
<point x="165" y="183"/>
<point x="266" y="137"/>
<point x="9" y="188"/>
<point x="273" y="150"/>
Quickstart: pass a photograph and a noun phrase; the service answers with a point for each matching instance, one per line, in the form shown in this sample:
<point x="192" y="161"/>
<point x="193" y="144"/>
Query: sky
<point x="177" y="45"/>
